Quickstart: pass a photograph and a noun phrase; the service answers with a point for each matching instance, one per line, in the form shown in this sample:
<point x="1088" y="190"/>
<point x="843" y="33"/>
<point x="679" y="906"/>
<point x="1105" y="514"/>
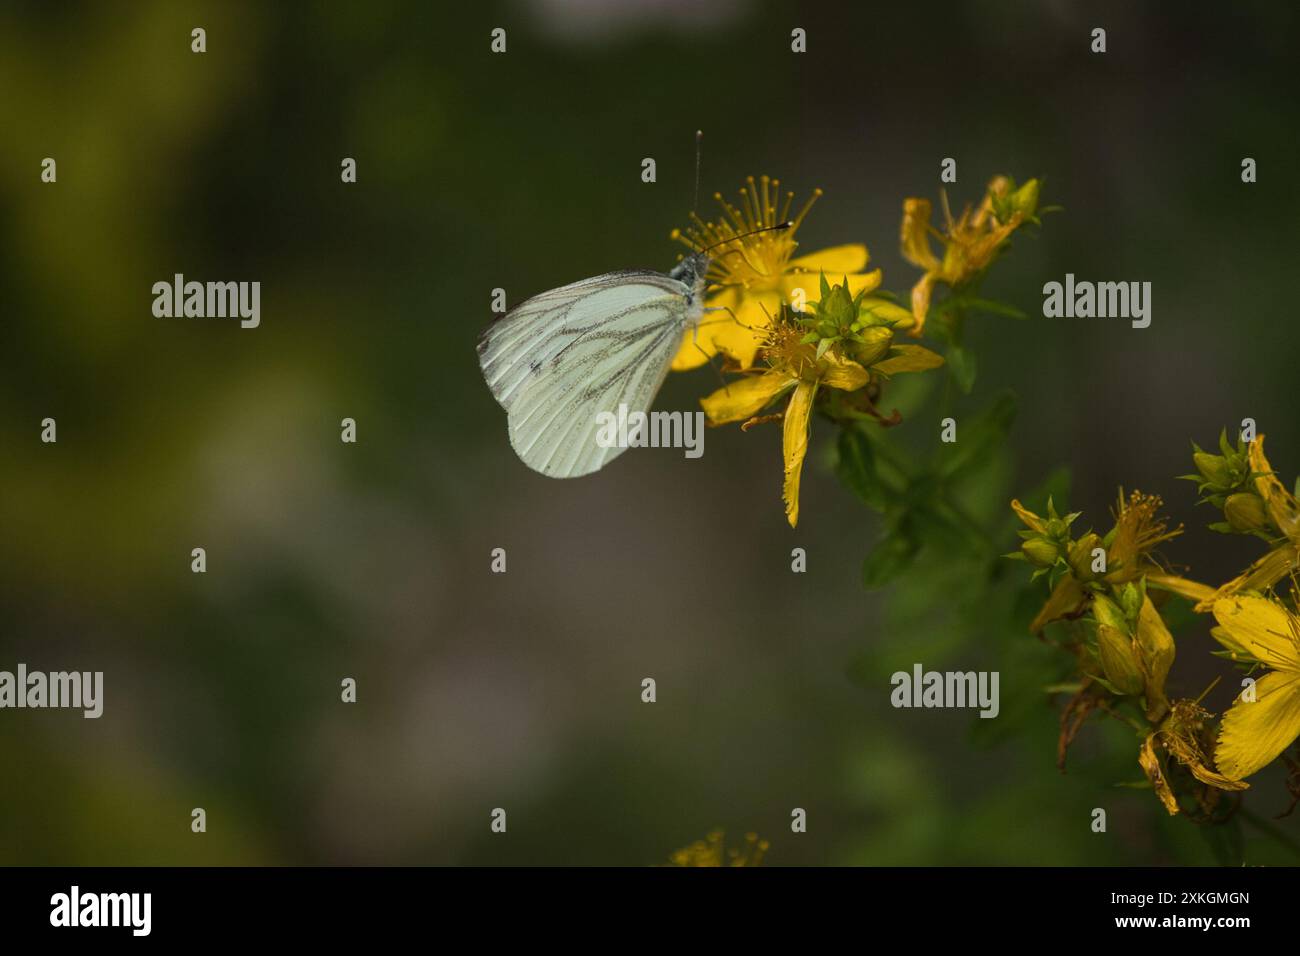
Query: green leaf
<point x="962" y="363"/>
<point x="891" y="557"/>
<point x="857" y="469"/>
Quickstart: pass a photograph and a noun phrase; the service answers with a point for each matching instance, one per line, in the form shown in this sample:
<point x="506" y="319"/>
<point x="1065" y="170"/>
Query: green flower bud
<point x="1118" y="660"/>
<point x="1080" y="558"/>
<point x="1214" y="468"/>
<point x="874" y="345"/>
<point x="1130" y="599"/>
<point x="1245" y="512"/>
<point x="1109" y="614"/>
<point x="1025" y="199"/>
<point x="1040" y="552"/>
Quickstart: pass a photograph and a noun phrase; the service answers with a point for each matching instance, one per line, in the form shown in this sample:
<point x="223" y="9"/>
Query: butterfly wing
<point x="558" y="360"/>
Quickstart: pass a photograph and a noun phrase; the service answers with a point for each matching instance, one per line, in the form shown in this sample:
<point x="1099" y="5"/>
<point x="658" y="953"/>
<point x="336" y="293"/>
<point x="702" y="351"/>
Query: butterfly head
<point x="691" y="271"/>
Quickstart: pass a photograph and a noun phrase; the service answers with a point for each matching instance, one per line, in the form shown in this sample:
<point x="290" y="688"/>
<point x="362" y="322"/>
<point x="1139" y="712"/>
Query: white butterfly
<point x="558" y="360"/>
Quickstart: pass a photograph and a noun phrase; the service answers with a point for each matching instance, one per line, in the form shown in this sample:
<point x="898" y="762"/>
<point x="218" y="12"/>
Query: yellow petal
<point x="1281" y="504"/>
<point x="1150" y="762"/>
<point x="1034" y="522"/>
<point x="843" y="373"/>
<point x="745" y="397"/>
<point x="795" y="445"/>
<point x="1156" y="646"/>
<point x="1183" y="587"/>
<point x="1253" y="734"/>
<point x="1263" y="628"/>
<point x="921" y="302"/>
<point x="914" y="235"/>
<point x="697" y="343"/>
<point x="692" y="353"/>
<point x="738" y="332"/>
<point x="741" y="336"/>
<point x="909" y="358"/>
<point x="837" y="260"/>
<point x="1067" y="598"/>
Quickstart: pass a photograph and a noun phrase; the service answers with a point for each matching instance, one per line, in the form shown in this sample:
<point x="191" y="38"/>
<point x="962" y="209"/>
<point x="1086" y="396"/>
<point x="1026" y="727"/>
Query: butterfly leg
<point x="708" y="359"/>
<point x="727" y="309"/>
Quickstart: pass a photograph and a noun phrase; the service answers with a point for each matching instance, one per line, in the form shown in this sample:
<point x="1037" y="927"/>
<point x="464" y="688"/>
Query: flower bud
<point x="1118" y="660"/>
<point x="1025" y="199"/>
<point x="1080" y="558"/>
<point x="1040" y="552"/>
<point x="1109" y="614"/>
<point x="1245" y="512"/>
<point x="1213" y="468"/>
<point x="874" y="345"/>
<point x="1130" y="599"/>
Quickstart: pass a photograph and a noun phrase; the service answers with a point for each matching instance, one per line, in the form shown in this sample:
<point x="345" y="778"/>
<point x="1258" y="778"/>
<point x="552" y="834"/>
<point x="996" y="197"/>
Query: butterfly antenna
<point x="753" y="232"/>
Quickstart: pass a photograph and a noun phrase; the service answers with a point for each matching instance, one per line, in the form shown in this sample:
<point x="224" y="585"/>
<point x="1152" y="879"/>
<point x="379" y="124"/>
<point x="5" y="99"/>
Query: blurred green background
<point x="371" y="560"/>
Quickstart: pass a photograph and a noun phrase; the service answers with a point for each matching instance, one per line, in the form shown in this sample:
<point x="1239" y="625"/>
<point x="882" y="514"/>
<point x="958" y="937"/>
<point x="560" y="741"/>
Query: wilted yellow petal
<point x="1260" y="576"/>
<point x="1281" y="504"/>
<point x="1183" y="587"/>
<point x="1150" y="762"/>
<point x="745" y="397"/>
<point x="1156" y="649"/>
<point x="1253" y="734"/>
<point x="1208" y="776"/>
<point x="914" y="234"/>
<point x="921" y="302"/>
<point x="909" y="358"/>
<point x="1034" y="522"/>
<point x="1261" y="627"/>
<point x="835" y="261"/>
<point x="843" y="373"/>
<point x="795" y="445"/>
<point x="1067" y="598"/>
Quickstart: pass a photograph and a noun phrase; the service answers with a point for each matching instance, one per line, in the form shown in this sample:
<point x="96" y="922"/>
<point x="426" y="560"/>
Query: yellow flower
<point x="797" y="369"/>
<point x="1284" y="513"/>
<point x="1254" y="732"/>
<point x="752" y="276"/>
<point x="711" y="851"/>
<point x="970" y="242"/>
